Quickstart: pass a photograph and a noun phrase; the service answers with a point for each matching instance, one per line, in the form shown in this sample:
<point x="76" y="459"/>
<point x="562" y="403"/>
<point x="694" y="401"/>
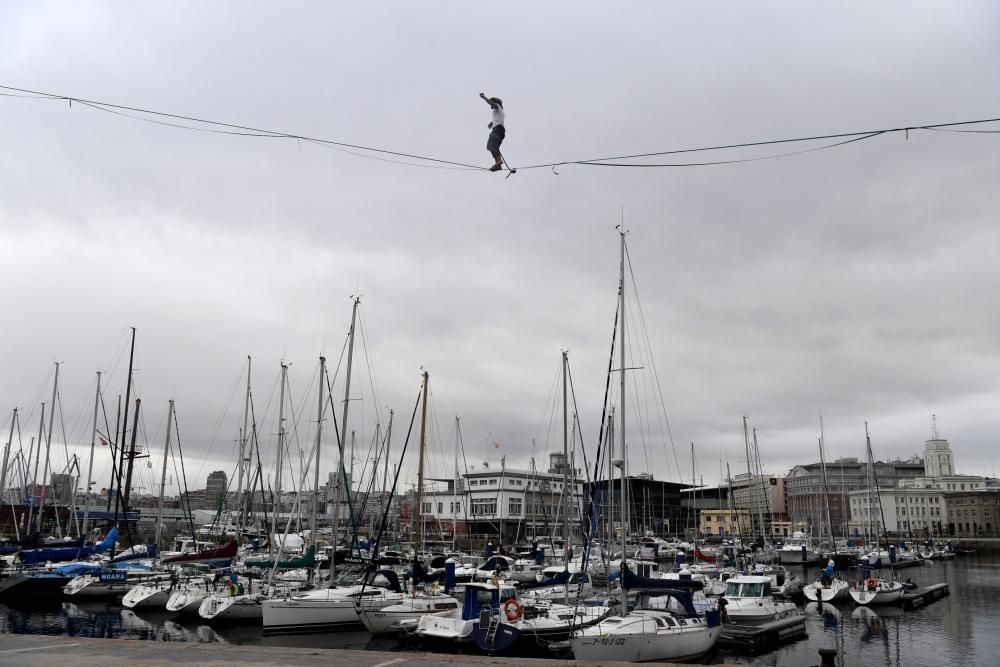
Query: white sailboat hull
<point x="238" y="608"/>
<point x="186" y="601"/>
<point x="686" y="645"/>
<point x="384" y="621"/>
<point x="145" y="596"/>
<point x="450" y="628"/>
<point x="837" y="590"/>
<point x="317" y="610"/>
<point x="890" y="595"/>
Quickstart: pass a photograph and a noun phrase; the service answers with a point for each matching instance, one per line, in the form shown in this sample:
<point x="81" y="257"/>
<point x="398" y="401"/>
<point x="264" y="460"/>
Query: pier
<point x="86" y="652"/>
<point x="764" y="636"/>
<point x="925" y="595"/>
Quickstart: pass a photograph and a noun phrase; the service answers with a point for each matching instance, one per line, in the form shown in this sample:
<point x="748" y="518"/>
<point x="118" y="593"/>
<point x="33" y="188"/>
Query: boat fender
<point x="512" y="610"/>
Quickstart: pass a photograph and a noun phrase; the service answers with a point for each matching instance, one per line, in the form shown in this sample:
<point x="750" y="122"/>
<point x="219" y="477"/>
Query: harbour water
<point x="961" y="629"/>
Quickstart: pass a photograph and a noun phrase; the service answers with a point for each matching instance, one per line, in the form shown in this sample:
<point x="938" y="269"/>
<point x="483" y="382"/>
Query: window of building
<point x="427" y="508"/>
<point x="484" y="507"/>
<point x="440" y="508"/>
<point x="514" y="507"/>
<point x="493" y="482"/>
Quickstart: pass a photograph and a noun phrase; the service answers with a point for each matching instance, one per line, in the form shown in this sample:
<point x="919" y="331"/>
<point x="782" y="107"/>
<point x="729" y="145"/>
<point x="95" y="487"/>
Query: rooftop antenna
<point x="934" y="431"/>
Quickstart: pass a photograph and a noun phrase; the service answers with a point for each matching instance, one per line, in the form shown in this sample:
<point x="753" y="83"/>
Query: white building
<point x="507" y="503"/>
<point x="916" y="506"/>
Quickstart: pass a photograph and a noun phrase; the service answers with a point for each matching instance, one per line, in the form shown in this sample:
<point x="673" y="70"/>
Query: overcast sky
<point x="858" y="282"/>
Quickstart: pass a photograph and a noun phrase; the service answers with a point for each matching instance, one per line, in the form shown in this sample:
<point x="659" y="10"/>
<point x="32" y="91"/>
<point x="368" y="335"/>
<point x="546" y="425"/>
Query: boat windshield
<point x="738" y="589"/>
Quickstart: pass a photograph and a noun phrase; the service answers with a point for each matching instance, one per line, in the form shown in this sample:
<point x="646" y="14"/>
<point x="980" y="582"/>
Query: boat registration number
<point x="609" y="641"/>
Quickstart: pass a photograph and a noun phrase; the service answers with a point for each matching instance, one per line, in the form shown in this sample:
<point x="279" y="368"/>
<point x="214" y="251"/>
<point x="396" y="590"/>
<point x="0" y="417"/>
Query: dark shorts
<point x="496" y="138"/>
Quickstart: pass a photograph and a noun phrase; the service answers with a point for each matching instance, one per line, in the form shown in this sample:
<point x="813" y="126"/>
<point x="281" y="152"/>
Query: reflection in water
<point x="960" y="629"/>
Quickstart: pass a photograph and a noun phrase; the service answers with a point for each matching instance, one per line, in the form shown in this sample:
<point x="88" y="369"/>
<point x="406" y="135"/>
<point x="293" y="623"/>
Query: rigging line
<point x="652" y="363"/>
<point x="245" y="128"/>
<point x="724" y="162"/>
<point x="749" y="144"/>
<point x="187" y="494"/>
<point x="302" y="413"/>
<point x="376" y="394"/>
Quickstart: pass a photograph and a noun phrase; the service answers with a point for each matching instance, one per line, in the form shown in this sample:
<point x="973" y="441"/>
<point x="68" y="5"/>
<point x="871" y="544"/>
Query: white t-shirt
<point x="497" y="115"/>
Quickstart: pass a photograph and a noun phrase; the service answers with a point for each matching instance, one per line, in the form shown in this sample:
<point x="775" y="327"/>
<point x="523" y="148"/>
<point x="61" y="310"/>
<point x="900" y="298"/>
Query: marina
<point x="402" y="334"/>
<point x="961" y="623"/>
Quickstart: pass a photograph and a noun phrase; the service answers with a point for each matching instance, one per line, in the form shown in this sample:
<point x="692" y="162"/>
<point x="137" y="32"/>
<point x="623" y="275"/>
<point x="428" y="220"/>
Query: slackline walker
<point x="497" y="134"/>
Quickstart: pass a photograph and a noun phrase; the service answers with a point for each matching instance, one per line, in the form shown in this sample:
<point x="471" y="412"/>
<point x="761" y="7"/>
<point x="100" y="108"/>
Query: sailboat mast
<point x="131" y="460"/>
<point x="565" y="483"/>
<point x="48" y="451"/>
<point x="343" y="438"/>
<point x="281" y="450"/>
<point x="746" y="442"/>
<point x="244" y="437"/>
<point x="621" y="417"/>
<point x="418" y="508"/>
<point x="385" y="468"/>
<point x="6" y="458"/>
<point x="319" y="438"/>
<point x="695" y="528"/>
<point x="124" y="427"/>
<point x="871" y="482"/>
<point x="163" y="474"/>
<point x="454" y="507"/>
<point x="609" y="501"/>
<point x="826" y="487"/>
<point x="90" y="466"/>
<point x="34" y="475"/>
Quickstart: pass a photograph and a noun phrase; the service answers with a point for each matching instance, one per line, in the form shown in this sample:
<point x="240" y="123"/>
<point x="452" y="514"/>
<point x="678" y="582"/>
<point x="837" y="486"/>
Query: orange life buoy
<point x="512" y="610"/>
<point x="871" y="584"/>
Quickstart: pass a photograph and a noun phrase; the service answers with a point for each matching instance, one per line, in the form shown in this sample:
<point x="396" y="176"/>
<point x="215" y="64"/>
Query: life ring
<point x="871" y="584"/>
<point x="512" y="610"/>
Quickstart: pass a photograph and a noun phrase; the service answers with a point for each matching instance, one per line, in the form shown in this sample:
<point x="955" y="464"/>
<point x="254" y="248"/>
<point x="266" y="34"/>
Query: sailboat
<point x="664" y="626"/>
<point x="829" y="585"/>
<point x="538" y="619"/>
<point x="871" y="589"/>
<point x="330" y="607"/>
<point x="379" y="618"/>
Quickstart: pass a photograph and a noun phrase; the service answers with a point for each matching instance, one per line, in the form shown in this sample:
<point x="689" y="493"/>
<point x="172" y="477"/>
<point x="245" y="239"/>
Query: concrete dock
<point x="85" y="652"/>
